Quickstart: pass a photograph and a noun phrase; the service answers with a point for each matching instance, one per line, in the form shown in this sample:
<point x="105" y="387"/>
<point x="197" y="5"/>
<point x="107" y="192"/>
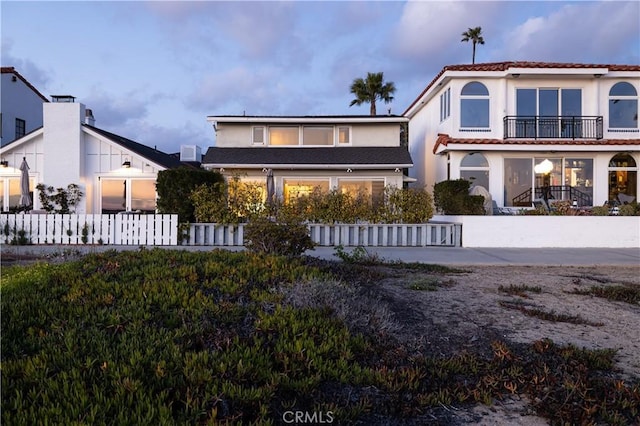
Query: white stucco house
<point x="115" y="173"/>
<point x="20" y="106"/>
<point x="347" y="153"/>
<point x="494" y="123"/>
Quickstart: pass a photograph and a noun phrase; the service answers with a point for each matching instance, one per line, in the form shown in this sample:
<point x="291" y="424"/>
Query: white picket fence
<point x="117" y="229"/>
<point x="368" y="235"/>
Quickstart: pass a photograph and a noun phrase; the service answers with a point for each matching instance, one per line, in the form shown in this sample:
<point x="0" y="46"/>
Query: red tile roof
<point x="503" y="66"/>
<point x="12" y="70"/>
<point x="444" y="140"/>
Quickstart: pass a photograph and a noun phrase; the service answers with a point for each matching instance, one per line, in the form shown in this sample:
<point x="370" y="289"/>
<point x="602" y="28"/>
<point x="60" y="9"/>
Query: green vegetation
<point x="452" y="197"/>
<point x="59" y="200"/>
<point x="547" y="315"/>
<point x="520" y="290"/>
<point x="173" y="337"/>
<point x="629" y="293"/>
<point x="174" y="187"/>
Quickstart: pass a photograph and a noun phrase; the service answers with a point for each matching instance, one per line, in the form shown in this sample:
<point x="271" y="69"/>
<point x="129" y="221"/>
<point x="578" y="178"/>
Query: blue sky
<point x="153" y="71"/>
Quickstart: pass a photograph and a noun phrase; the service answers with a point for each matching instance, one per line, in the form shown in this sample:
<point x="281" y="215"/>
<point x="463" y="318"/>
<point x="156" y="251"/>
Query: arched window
<point x="623" y="178"/>
<point x="623" y="106"/>
<point x="474" y="167"/>
<point x="474" y="106"/>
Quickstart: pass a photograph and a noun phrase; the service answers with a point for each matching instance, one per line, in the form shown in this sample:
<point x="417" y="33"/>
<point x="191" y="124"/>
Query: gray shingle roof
<point x="320" y="156"/>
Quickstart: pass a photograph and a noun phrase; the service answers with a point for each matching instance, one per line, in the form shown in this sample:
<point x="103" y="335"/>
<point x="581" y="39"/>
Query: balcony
<point x="541" y="127"/>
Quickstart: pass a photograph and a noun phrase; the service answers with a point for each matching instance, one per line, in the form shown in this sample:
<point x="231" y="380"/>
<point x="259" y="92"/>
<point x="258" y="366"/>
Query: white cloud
<point x="433" y="29"/>
<point x="36" y="75"/>
<point x="579" y="32"/>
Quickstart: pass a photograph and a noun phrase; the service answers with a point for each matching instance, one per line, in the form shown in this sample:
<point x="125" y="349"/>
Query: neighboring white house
<point x="493" y="123"/>
<point x="347" y="153"/>
<point x="20" y="106"/>
<point x="116" y="174"/>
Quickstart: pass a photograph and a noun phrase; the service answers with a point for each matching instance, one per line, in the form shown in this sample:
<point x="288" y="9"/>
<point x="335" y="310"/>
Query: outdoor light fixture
<point x="545" y="168"/>
<point x="126" y="164"/>
<point x="4" y="163"/>
<point x="349" y="170"/>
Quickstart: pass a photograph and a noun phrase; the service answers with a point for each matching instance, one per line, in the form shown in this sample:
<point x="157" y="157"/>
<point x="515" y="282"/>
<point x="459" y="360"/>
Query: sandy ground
<point x="465" y="311"/>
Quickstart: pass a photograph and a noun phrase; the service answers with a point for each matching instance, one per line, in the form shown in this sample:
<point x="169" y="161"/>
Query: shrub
<point x="232" y="201"/>
<point x="629" y="210"/>
<point x="282" y="238"/>
<point x="600" y="211"/>
<point x="452" y="197"/>
<point x="174" y="187"/>
<point x="59" y="200"/>
<point x="406" y="206"/>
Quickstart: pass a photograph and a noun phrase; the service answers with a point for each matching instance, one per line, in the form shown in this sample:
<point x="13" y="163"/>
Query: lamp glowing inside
<point x="544" y="167"/>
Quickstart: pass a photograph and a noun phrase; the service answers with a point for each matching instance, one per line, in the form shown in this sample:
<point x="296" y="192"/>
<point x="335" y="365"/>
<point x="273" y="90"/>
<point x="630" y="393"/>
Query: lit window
<point x="294" y="188"/>
<point x="283" y="136"/>
<point x="623" y="178"/>
<point x="128" y="194"/>
<point x="343" y="135"/>
<point x="474" y="106"/>
<point x="315" y="135"/>
<point x="373" y="189"/>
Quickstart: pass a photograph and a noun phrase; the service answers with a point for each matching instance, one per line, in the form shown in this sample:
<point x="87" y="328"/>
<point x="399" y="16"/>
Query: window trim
<point x="128" y="198"/>
<point x="445" y="104"/>
<point x="611" y="97"/>
<point x="335" y="139"/>
<point x="337" y="134"/>
<point x="22" y="125"/>
<point x="253" y="135"/>
<point x="486" y="97"/>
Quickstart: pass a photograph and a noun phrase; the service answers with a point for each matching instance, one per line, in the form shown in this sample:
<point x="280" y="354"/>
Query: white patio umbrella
<point x="481" y="190"/>
<point x="25" y="198"/>
<point x="271" y="187"/>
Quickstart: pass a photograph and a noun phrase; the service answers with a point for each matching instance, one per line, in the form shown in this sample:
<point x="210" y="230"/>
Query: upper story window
<point x="445" y="104"/>
<point x="344" y="135"/>
<point x="474" y="106"/>
<point x="257" y="134"/>
<point x="302" y="135"/>
<point x="623" y="106"/>
<point x="20" y="128"/>
<point x="317" y="135"/>
<point x="282" y="136"/>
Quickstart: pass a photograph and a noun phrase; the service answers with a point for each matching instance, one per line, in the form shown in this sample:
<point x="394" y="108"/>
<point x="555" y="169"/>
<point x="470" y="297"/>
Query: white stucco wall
<point x="548" y="231"/>
<point x="424" y="124"/>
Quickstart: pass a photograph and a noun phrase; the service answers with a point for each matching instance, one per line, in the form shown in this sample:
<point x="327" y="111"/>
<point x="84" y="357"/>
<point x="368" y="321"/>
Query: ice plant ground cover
<point x="174" y="337"/>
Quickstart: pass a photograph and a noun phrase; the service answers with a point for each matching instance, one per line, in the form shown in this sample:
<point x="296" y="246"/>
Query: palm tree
<point x="371" y="89"/>
<point x="475" y="36"/>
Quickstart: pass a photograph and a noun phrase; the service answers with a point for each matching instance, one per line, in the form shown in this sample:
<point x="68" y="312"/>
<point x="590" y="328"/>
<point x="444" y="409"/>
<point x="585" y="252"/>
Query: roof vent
<point x="63" y="98"/>
<point x="190" y="153"/>
<point x="89" y="118"/>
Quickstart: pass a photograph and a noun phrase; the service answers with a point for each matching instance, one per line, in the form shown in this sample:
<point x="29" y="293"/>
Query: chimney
<point x="88" y="117"/>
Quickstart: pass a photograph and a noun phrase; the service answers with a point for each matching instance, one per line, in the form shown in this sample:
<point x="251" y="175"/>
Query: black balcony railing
<point x="555" y="192"/>
<point x="541" y="127"/>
